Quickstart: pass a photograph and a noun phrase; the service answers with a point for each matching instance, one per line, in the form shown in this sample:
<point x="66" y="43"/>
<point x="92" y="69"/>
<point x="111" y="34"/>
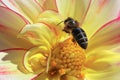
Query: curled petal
<point x="29" y="9"/>
<point x="52" y="19"/>
<point x="76" y="9"/>
<point x="35" y="59"/>
<point x="101" y="65"/>
<point x="38" y="34"/>
<point x="100" y="12"/>
<point x="107" y="37"/>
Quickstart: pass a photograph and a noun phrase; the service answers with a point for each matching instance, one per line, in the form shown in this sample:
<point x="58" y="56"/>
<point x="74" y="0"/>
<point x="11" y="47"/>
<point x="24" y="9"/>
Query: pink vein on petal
<point x="15" y="5"/>
<point x="34" y="78"/>
<point x="11" y="2"/>
<point x="10" y="49"/>
<point x="51" y="28"/>
<point x="5" y="71"/>
<point x="106" y="25"/>
<point x="84" y="16"/>
<point x="23" y="18"/>
<point x="119" y="14"/>
<point x="2" y="3"/>
<point x="115" y="39"/>
<point x="101" y="5"/>
<point x="38" y="4"/>
<point x="2" y="28"/>
<point x="55" y="6"/>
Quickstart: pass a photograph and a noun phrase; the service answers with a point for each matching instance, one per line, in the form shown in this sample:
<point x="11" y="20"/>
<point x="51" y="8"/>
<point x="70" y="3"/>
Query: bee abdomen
<point x="83" y="44"/>
<point x="80" y="36"/>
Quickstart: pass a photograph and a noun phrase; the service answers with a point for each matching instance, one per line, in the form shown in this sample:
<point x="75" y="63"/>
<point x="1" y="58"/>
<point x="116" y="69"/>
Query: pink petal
<point x="40" y="76"/>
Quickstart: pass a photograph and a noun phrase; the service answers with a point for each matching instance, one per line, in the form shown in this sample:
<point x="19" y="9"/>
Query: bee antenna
<point x="60" y="23"/>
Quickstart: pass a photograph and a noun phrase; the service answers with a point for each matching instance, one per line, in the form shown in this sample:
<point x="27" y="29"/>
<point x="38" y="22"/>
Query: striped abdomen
<point x="80" y="36"/>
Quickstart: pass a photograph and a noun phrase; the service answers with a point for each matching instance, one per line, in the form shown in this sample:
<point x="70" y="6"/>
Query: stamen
<point x="68" y="57"/>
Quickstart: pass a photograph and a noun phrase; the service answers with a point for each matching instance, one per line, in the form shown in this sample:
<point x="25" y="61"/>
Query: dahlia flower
<point x="34" y="47"/>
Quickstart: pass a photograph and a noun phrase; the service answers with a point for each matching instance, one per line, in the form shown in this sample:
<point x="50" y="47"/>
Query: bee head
<point x="71" y="23"/>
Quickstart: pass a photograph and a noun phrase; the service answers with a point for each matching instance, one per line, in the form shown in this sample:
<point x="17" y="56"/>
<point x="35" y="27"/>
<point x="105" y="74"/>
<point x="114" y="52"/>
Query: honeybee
<point x="79" y="35"/>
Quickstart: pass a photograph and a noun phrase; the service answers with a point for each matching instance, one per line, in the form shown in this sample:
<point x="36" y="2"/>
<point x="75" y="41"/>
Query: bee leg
<point x="73" y="40"/>
<point x="65" y="31"/>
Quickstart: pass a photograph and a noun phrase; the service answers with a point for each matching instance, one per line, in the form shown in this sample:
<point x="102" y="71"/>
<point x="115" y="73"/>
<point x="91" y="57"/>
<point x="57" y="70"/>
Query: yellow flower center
<point x="67" y="58"/>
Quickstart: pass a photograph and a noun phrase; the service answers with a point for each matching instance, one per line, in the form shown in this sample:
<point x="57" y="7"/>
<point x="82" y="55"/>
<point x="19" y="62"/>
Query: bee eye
<point x="72" y="23"/>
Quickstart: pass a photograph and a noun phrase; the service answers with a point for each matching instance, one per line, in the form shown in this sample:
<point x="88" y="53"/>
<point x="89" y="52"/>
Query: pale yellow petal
<point x="17" y="60"/>
<point x="8" y="39"/>
<point x="76" y="9"/>
<point x="11" y="68"/>
<point x="28" y="8"/>
<point x="107" y="37"/>
<point x="12" y="19"/>
<point x="50" y="17"/>
<point x="103" y="65"/>
<point x="100" y="12"/>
